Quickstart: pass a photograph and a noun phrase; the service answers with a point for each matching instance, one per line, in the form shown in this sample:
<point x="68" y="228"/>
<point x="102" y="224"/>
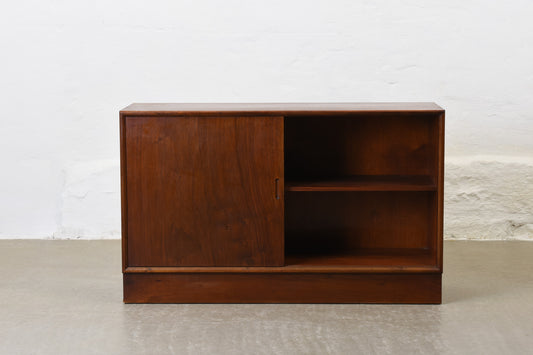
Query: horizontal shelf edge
<point x="350" y="188"/>
<point x="295" y="269"/>
<point x="365" y="183"/>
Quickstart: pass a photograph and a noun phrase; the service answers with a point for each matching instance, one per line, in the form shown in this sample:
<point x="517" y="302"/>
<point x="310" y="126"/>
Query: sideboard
<point x="282" y="203"/>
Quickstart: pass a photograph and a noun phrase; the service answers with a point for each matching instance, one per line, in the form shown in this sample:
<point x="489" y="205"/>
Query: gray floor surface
<point x="65" y="297"/>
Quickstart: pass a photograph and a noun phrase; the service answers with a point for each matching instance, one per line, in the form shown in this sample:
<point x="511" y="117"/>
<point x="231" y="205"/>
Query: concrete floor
<point x="64" y="297"/>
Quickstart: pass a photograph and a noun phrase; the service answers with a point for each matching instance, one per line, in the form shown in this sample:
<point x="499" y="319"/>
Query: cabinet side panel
<point x="201" y="191"/>
<point x="123" y="194"/>
<point x="440" y="191"/>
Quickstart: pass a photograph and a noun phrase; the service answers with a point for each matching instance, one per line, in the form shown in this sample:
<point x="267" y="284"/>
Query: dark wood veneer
<point x="195" y="183"/>
<point x="282" y="202"/>
<point x="282" y="288"/>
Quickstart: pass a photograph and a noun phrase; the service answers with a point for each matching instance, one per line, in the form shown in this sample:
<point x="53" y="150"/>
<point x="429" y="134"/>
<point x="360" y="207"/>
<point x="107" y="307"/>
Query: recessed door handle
<point x="276" y="182"/>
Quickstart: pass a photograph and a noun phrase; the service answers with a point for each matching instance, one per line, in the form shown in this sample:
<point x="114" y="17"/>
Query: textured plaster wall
<point x="489" y="197"/>
<point x="67" y="67"/>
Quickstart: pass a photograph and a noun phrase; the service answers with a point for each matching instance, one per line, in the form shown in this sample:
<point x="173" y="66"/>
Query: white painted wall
<point x="67" y="67"/>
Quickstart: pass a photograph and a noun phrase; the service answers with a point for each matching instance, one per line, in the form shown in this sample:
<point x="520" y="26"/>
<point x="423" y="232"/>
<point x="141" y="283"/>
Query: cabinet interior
<point x="361" y="189"/>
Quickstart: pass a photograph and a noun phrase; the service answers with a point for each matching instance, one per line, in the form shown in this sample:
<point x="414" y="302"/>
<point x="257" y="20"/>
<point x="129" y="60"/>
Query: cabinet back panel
<point x="391" y="143"/>
<point x="201" y="191"/>
<point x="340" y="223"/>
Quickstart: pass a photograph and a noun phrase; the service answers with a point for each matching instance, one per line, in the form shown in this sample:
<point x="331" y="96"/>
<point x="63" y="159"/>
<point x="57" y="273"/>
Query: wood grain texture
<point x="276" y="109"/>
<point x="379" y="143"/>
<point x="201" y="191"/>
<point x="282" y="288"/>
<point x="342" y="223"/>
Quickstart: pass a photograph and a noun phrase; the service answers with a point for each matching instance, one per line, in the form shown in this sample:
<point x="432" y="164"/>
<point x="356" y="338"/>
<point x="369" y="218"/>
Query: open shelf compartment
<point x="361" y="192"/>
<point x="360" y="229"/>
<point x="370" y="258"/>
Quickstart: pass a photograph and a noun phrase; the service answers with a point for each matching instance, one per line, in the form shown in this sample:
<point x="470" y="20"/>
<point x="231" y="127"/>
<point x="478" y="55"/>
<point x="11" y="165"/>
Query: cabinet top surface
<point x="278" y="108"/>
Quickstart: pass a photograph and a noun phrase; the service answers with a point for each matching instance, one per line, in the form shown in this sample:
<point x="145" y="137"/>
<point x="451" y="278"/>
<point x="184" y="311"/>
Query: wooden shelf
<point x="375" y="260"/>
<point x="365" y="183"/>
<point x="375" y="257"/>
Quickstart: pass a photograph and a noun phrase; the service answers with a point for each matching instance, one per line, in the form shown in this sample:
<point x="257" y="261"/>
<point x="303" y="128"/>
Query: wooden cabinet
<point x="252" y="203"/>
